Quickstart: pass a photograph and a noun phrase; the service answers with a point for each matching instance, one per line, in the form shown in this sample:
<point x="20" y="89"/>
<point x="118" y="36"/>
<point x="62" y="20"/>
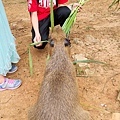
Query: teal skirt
<point x="8" y="53"/>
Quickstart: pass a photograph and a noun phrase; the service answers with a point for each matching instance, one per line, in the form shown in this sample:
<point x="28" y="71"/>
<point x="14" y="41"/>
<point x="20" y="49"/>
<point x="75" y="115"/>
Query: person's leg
<point x="44" y="32"/>
<point x="1" y="79"/>
<point x="61" y="14"/>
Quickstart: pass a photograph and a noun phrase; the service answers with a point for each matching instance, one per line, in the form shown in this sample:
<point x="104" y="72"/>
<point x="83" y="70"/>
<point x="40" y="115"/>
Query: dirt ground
<point x="95" y="35"/>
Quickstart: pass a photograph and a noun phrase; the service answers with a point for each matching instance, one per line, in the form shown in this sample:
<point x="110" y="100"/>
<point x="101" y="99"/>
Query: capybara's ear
<point x="67" y="42"/>
<point x="52" y="43"/>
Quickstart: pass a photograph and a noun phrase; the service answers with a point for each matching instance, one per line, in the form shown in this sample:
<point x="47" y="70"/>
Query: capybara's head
<point x="59" y="41"/>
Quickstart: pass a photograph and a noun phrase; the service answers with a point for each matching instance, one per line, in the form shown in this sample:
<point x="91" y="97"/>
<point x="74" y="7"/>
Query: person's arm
<point x="34" y="20"/>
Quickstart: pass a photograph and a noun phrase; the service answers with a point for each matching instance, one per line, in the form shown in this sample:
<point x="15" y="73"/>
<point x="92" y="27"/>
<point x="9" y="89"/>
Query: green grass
<point x="30" y="55"/>
<point x="71" y="19"/>
<point x="88" y="61"/>
<point x="116" y="4"/>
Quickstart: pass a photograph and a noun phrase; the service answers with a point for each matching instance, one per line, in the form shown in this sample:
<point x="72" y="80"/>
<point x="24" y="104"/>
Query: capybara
<point x="58" y="97"/>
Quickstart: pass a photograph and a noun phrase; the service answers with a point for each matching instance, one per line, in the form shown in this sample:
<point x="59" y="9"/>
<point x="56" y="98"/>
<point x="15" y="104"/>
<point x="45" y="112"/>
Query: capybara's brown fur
<point x="58" y="98"/>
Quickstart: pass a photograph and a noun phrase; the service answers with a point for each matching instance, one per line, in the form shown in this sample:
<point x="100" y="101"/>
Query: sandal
<point x="10" y="84"/>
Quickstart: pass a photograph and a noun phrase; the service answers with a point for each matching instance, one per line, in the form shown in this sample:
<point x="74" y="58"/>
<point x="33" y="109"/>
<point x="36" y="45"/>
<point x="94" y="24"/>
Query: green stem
<point x="36" y="43"/>
<point x="30" y="62"/>
<point x="51" y="15"/>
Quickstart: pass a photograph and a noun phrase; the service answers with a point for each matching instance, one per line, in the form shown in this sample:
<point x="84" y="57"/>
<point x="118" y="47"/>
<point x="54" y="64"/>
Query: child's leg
<point x="1" y="79"/>
<point x="61" y="14"/>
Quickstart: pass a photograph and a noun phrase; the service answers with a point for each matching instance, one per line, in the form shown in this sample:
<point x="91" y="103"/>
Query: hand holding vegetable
<point x="71" y="19"/>
<point x="73" y="6"/>
<point x="37" y="39"/>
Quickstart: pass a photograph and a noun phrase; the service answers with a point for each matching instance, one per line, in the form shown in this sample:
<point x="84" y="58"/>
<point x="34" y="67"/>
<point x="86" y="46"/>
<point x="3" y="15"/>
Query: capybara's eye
<point x="51" y="43"/>
<point x="67" y="42"/>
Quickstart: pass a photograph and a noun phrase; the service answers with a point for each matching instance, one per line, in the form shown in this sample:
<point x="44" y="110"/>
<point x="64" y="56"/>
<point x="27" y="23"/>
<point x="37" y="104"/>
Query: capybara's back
<point x="58" y="98"/>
